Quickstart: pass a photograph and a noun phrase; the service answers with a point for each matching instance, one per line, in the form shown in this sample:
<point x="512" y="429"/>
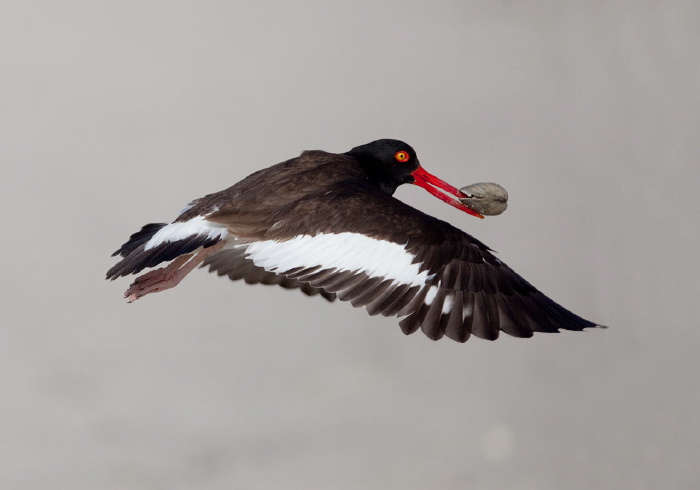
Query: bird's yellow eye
<point x="402" y="156"/>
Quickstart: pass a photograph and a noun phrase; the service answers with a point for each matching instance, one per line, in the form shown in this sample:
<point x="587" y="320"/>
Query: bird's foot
<point x="170" y="276"/>
<point x="157" y="280"/>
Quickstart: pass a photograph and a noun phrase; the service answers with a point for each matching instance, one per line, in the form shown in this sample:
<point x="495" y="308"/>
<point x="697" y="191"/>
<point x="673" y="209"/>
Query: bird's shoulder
<point x="278" y="184"/>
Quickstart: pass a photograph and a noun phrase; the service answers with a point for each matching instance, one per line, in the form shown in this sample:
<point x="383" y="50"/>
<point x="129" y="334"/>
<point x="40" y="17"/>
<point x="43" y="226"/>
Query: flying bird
<point x="327" y="224"/>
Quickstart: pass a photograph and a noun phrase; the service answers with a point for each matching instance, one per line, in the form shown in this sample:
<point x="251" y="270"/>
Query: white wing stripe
<point x="184" y="229"/>
<point x="342" y="251"/>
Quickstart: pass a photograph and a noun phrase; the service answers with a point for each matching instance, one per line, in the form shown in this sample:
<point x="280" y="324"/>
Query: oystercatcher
<point x="327" y="224"/>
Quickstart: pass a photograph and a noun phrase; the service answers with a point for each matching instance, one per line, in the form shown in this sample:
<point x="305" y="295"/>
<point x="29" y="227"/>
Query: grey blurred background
<point x="116" y="114"/>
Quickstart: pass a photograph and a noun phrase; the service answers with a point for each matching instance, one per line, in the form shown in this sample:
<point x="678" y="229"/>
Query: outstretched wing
<point x="402" y="262"/>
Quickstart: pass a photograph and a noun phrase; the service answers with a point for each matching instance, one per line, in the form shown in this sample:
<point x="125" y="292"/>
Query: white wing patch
<point x="185" y="229"/>
<point x="430" y="296"/>
<point x="447" y="304"/>
<point x="342" y="251"/>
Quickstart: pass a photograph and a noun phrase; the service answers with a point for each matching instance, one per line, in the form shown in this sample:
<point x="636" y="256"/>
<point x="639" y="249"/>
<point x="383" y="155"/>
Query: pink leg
<point x="169" y="276"/>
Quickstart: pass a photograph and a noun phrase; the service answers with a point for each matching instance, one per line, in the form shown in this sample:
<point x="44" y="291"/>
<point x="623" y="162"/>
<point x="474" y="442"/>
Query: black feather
<point x="140" y="259"/>
<point x="139" y="238"/>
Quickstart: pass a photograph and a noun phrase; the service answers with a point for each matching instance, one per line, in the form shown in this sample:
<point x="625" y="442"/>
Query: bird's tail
<point x="136" y="256"/>
<point x="139" y="238"/>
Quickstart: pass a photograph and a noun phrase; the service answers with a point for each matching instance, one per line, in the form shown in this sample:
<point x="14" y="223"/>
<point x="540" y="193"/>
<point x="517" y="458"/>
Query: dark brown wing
<point x="476" y="293"/>
<point x="467" y="290"/>
<point x="232" y="262"/>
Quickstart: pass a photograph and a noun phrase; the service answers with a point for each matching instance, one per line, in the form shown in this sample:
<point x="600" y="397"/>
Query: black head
<point x="388" y="163"/>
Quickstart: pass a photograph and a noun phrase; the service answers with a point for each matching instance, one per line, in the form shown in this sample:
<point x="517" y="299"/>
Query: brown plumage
<point x="435" y="276"/>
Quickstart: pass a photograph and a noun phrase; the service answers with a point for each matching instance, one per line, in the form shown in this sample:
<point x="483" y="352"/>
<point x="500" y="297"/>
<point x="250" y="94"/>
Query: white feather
<point x="447" y="304"/>
<point x="341" y="251"/>
<point x="184" y="229"/>
<point x="430" y="296"/>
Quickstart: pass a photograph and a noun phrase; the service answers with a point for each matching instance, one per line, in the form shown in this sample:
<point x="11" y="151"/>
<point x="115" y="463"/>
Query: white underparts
<point x="181" y="230"/>
<point x="343" y="252"/>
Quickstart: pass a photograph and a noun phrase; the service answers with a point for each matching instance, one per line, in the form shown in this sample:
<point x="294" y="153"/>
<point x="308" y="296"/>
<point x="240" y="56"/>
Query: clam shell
<point x="487" y="198"/>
